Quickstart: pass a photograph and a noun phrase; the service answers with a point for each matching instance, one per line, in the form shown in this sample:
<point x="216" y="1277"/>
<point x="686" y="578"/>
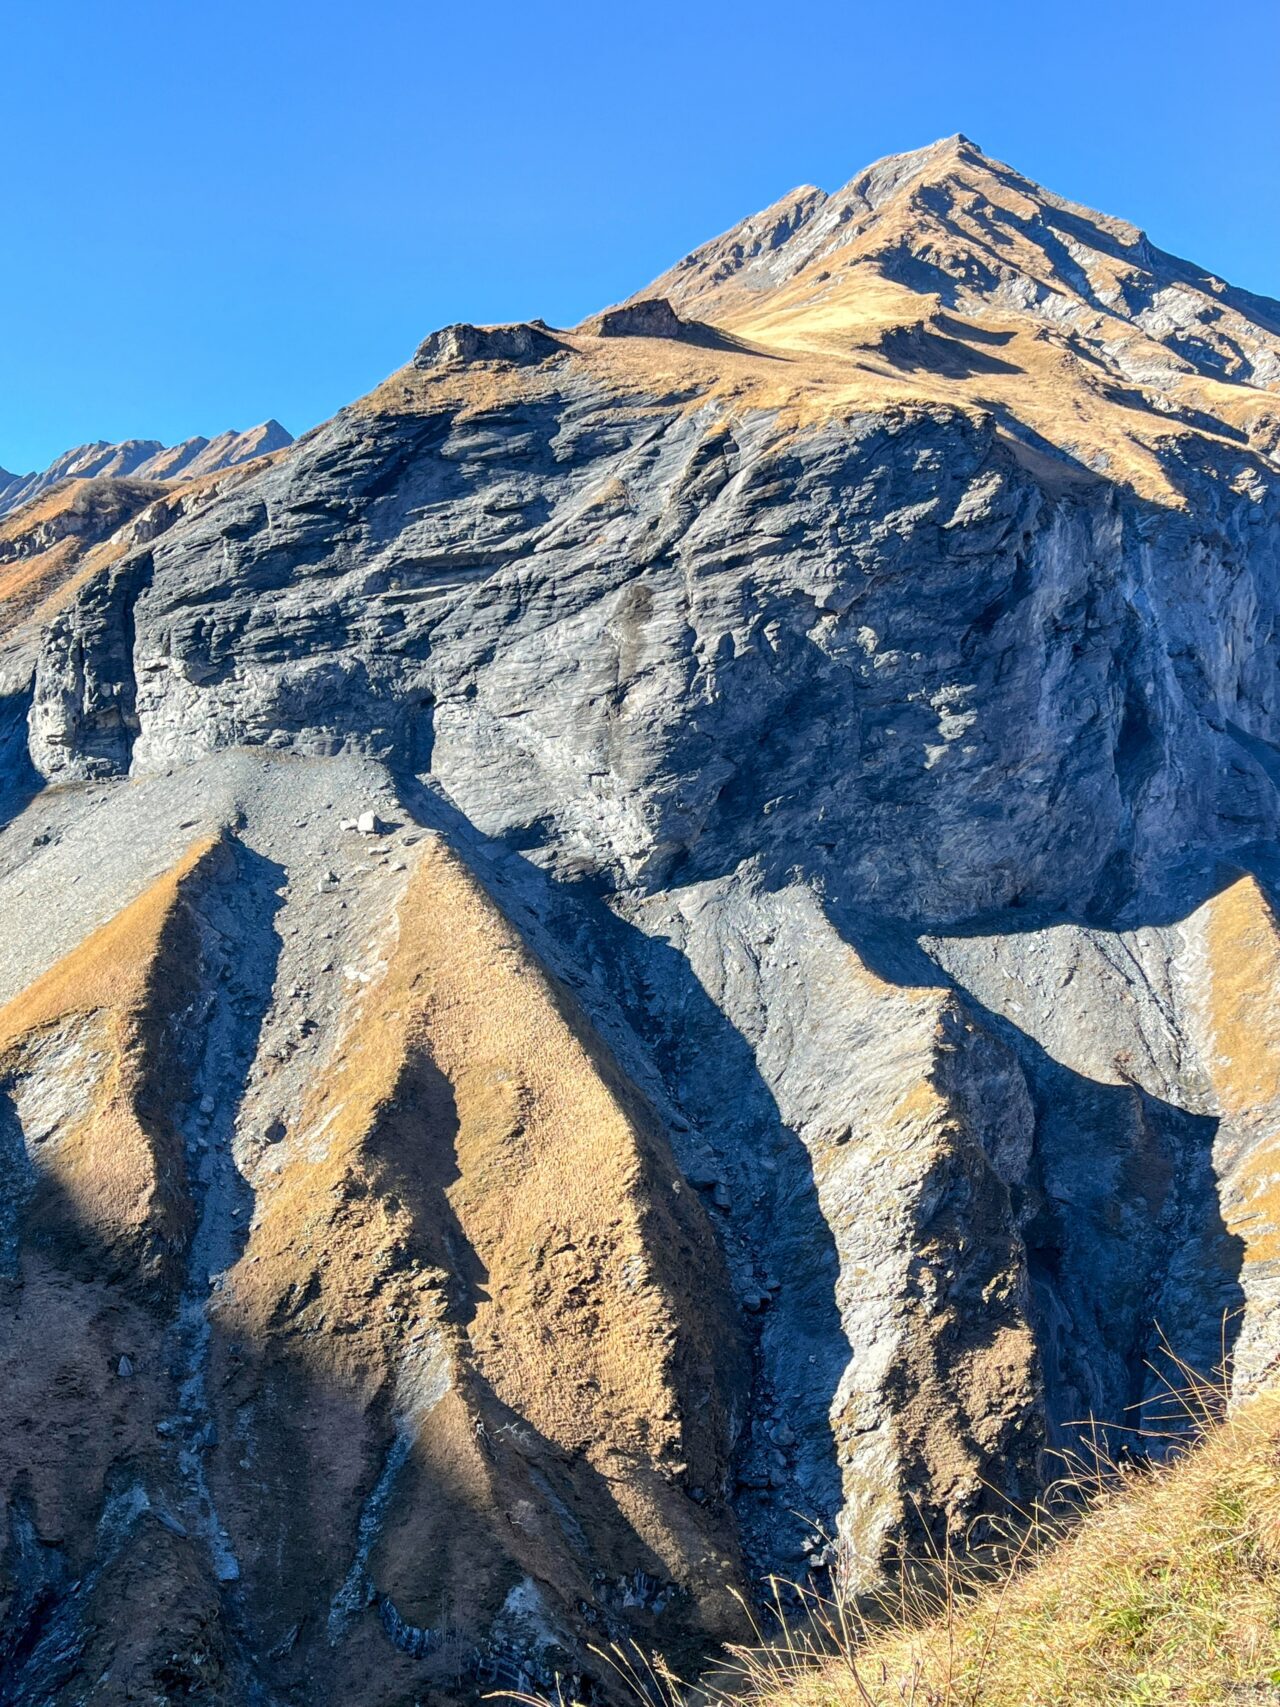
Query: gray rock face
<point x="465" y="343"/>
<point x="660" y="711"/>
<point x="894" y="788"/>
<point x="145" y="459"/>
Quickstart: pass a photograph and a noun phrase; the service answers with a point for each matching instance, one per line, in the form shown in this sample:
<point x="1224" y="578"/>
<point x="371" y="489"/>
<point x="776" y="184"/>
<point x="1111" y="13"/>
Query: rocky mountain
<point x="144" y="459"/>
<point x="649" y="958"/>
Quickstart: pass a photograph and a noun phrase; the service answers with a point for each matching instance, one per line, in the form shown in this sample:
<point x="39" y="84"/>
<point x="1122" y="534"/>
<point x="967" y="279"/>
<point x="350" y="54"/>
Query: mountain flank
<point x="647" y="961"/>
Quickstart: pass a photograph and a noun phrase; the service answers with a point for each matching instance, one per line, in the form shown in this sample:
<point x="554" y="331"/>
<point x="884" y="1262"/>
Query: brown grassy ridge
<point x="50" y="541"/>
<point x="475" y="1233"/>
<point x="56" y="542"/>
<point x="113" y="1181"/>
<point x="1165" y="1593"/>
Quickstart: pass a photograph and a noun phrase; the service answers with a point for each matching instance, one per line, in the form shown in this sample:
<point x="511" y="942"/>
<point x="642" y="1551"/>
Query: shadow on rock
<point x="1132" y="1266"/>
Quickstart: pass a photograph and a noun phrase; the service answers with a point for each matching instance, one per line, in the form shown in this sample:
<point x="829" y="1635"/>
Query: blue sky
<point x="214" y="214"/>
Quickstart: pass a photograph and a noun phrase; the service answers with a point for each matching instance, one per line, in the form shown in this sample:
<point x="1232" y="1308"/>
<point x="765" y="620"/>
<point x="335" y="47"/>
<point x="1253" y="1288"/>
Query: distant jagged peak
<point x="145" y="459"/>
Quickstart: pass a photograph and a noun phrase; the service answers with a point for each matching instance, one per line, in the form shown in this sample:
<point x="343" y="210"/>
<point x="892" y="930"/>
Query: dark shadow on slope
<point x="414" y="1143"/>
<point x="535" y="1514"/>
<point x="20" y="782"/>
<point x="973" y="333"/>
<point x="709" y="337"/>
<point x="1264" y="753"/>
<point x="1126" y="1246"/>
<point x="1056" y="470"/>
<point x="17" y="1179"/>
<point x="920" y="349"/>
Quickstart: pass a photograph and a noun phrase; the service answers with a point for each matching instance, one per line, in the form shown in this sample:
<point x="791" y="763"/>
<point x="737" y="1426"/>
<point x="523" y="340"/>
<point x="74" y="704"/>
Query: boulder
<point x="652" y="318"/>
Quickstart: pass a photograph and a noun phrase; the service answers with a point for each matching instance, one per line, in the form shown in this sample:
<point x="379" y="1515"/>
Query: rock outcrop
<point x="729" y="994"/>
<point x="653" y="317"/>
<point x="519" y="343"/>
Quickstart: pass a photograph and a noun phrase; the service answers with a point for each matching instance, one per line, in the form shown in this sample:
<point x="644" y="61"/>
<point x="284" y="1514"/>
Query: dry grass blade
<point x="1136" y="1584"/>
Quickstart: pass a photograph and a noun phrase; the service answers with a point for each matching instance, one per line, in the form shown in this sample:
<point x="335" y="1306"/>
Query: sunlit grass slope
<point x="1167" y="1590"/>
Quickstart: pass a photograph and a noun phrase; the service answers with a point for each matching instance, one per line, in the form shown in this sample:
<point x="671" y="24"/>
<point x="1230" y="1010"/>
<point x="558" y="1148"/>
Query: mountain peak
<point x="771" y="246"/>
<point x="925" y="261"/>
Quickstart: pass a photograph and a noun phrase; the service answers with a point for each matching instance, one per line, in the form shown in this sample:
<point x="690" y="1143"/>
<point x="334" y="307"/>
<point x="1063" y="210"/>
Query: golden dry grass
<point x="1243" y="942"/>
<point x="1166" y="1593"/>
<point x="114" y="1177"/>
<point x="1242" y="964"/>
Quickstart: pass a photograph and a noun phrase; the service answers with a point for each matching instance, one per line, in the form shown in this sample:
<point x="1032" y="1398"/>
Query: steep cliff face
<point x="798" y="1040"/>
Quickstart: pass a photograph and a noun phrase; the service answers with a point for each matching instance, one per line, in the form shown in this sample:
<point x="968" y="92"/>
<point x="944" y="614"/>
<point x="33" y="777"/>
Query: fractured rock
<point x="521" y="343"/>
<point x="653" y="317"/>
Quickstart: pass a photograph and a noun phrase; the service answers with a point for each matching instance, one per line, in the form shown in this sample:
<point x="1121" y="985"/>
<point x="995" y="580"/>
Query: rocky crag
<point x="647" y="959"/>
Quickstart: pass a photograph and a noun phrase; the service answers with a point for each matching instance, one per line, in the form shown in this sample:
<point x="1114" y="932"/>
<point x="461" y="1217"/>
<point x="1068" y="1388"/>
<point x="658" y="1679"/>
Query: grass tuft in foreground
<point x="1166" y="1590"/>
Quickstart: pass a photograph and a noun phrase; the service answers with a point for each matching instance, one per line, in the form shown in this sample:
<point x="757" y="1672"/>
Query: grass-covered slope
<point x="1168" y="1591"/>
<point x="1165" y="1593"/>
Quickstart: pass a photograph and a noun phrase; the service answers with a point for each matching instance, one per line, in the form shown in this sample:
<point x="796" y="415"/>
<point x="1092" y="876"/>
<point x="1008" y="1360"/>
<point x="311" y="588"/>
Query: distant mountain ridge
<point x="145" y="459"/>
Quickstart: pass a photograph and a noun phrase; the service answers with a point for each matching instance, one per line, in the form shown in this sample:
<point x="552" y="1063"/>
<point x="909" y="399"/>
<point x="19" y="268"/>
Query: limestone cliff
<point x="796" y="1033"/>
